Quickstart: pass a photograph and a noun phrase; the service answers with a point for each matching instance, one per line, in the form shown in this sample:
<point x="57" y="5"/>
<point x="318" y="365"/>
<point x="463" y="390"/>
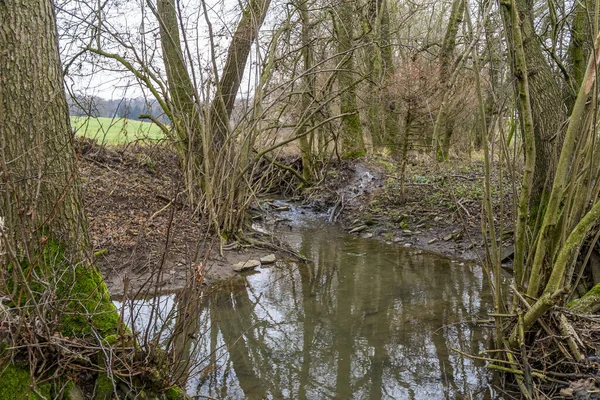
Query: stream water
<point x="364" y="320"/>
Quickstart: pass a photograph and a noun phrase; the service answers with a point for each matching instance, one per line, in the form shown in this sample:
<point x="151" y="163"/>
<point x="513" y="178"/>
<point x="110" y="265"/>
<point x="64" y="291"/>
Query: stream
<point x="364" y="320"/>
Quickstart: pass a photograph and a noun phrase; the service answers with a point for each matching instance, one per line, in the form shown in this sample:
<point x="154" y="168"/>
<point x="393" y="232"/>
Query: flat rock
<point x="358" y="229"/>
<point x="243" y="266"/>
<point x="270" y="259"/>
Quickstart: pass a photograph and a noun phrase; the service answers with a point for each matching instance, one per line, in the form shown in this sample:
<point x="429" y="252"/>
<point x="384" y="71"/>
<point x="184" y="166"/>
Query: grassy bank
<point x="115" y="131"/>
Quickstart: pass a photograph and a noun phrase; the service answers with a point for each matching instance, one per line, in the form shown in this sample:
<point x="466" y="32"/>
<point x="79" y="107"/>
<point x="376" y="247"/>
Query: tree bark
<point x="41" y="196"/>
<point x="308" y="95"/>
<point x="548" y="107"/>
<point x="181" y="89"/>
<point x="44" y="232"/>
<point x="581" y="43"/>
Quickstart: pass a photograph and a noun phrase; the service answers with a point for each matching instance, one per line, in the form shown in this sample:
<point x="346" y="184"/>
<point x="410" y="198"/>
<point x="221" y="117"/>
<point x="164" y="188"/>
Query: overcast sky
<point x="136" y="25"/>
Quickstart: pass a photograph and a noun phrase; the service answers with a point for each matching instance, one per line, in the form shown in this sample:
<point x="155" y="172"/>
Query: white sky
<point x="137" y="25"/>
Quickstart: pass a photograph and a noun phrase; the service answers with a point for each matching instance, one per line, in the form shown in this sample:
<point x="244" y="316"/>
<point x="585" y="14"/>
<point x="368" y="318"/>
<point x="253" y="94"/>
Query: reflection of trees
<point x="364" y="319"/>
<point x="232" y="316"/>
<point x="183" y="341"/>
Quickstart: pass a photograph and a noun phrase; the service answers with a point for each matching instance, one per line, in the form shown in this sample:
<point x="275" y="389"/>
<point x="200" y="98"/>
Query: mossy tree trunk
<point x="444" y="125"/>
<point x="183" y="97"/>
<point x="353" y="144"/>
<point x="547" y="104"/>
<point x="581" y="43"/>
<point x="512" y="25"/>
<point x="44" y="234"/>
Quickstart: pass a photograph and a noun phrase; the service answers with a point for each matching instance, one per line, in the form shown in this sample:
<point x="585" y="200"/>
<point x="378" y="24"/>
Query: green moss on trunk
<point x="89" y="306"/>
<point x="590" y="303"/>
<point x="15" y="384"/>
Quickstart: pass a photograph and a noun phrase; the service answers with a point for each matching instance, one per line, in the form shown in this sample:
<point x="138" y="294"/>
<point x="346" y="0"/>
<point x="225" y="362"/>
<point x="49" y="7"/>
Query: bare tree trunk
<point x="237" y="55"/>
<point x="182" y="98"/>
<point x="181" y="89"/>
<point x="308" y="95"/>
<point x="383" y="119"/>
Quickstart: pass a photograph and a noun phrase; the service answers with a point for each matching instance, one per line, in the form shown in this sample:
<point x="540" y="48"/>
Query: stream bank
<point x="366" y="292"/>
<point x="145" y="237"/>
<point x="434" y="207"/>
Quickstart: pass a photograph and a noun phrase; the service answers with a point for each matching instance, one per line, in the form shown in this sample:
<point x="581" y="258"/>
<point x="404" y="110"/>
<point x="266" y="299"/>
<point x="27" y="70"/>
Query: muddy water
<point x="365" y="320"/>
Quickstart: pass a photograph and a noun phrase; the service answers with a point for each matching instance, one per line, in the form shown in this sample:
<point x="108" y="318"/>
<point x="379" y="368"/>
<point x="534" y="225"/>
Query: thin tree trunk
<point x="308" y="94"/>
<point x="512" y="23"/>
<point x="237" y="55"/>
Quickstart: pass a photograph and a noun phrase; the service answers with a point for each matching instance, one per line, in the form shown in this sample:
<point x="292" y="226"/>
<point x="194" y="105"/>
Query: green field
<point x="115" y="131"/>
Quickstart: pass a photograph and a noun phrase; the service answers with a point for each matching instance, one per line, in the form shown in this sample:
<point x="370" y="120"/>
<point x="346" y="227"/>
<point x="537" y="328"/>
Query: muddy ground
<point x="145" y="236"/>
<point x="438" y="210"/>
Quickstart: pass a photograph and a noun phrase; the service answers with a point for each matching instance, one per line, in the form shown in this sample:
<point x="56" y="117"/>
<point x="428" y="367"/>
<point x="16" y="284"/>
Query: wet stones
<point x="251" y="264"/>
<point x="244" y="266"/>
<point x="358" y="229"/>
<point x="270" y="259"/>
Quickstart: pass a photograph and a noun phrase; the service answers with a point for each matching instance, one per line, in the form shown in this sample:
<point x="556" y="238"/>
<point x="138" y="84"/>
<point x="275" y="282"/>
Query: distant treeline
<point x="95" y="106"/>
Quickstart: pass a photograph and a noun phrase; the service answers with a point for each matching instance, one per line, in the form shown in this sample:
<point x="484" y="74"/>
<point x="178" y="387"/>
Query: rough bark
<point x="44" y="233"/>
<point x="548" y="108"/>
<point x="38" y="176"/>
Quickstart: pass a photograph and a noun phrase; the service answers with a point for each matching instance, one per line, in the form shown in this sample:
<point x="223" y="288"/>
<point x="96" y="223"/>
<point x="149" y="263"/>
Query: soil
<point x="146" y="237"/>
<point x="143" y="234"/>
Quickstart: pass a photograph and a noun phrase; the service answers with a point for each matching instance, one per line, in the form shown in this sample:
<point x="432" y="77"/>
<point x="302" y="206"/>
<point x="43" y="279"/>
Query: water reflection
<point x="365" y="320"/>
